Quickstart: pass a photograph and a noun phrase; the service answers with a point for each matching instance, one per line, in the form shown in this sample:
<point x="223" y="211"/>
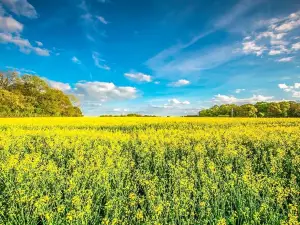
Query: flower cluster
<point x="149" y="171"/>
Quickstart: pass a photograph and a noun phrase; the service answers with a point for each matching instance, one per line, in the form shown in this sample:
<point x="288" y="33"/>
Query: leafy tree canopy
<point x="29" y="95"/>
<point x="260" y="109"/>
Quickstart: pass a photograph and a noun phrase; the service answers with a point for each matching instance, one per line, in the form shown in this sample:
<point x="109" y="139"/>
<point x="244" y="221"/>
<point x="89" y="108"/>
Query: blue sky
<point x="170" y="57"/>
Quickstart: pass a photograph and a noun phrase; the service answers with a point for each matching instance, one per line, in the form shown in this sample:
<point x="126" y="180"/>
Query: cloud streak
<point x="20" y="8"/>
<point x="179" y="83"/>
<point x="140" y="77"/>
<point x="225" y="99"/>
<point x="100" y="63"/>
<point x="23" y="44"/>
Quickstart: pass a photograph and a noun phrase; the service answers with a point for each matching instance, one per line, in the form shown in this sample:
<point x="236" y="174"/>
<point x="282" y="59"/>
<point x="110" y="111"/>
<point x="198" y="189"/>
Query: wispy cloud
<point x="100" y="63"/>
<point x="75" y="60"/>
<point x="65" y="87"/>
<point x="21" y="70"/>
<point x="275" y="39"/>
<point x="172" y="106"/>
<point x="10" y="25"/>
<point x="102" y="20"/>
<point x="140" y="77"/>
<point x="225" y="99"/>
<point x="21" y="8"/>
<point x="238" y="91"/>
<point x="286" y="59"/>
<point x="250" y="47"/>
<point x="11" y="29"/>
<point x="294" y="89"/>
<point x="175" y="102"/>
<point x="23" y="44"/>
<point x="90" y="22"/>
<point x="242" y="7"/>
<point x="40" y="44"/>
<point x="296" y="46"/>
<point x="179" y="83"/>
<point x="173" y="59"/>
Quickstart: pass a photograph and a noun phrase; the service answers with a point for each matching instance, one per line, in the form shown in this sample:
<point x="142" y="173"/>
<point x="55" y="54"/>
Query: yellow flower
<point x="222" y="222"/>
<point x="139" y="215"/>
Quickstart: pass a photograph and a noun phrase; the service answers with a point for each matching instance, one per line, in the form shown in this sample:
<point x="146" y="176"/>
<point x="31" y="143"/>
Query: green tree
<point x="262" y="108"/>
<point x="274" y="110"/>
<point x="31" y="96"/>
<point x="284" y="107"/>
<point x="294" y="110"/>
<point x="247" y="110"/>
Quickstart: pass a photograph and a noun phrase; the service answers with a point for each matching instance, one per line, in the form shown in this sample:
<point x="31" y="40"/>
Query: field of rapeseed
<point x="149" y="171"/>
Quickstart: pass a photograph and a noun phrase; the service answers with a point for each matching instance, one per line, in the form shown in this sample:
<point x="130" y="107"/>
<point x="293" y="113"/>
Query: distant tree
<point x="247" y="110"/>
<point x="260" y="109"/>
<point x="31" y="96"/>
<point x="284" y="107"/>
<point x="294" y="110"/>
<point x="274" y="110"/>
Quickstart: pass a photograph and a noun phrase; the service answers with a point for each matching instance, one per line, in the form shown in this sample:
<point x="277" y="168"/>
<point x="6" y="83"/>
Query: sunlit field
<point x="149" y="171"/>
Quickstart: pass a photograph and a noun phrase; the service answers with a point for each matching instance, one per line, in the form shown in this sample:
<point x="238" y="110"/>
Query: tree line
<point x="29" y="95"/>
<point x="260" y="109"/>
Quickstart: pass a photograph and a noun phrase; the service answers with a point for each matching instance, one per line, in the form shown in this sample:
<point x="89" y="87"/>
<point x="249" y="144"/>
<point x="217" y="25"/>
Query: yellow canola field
<point x="149" y="171"/>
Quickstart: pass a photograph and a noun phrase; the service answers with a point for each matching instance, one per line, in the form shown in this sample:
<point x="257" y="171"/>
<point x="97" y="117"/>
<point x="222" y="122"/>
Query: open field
<point x="149" y="171"/>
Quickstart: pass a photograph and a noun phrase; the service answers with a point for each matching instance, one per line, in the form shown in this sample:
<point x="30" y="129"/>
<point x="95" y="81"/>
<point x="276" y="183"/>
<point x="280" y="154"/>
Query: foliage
<point x="149" y="171"/>
<point x="29" y="95"/>
<point x="260" y="109"/>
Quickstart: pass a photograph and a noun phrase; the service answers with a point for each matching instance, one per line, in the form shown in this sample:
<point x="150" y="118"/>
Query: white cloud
<point x="171" y="107"/>
<point x="75" y="60"/>
<point x="11" y="28"/>
<point x="20" y="8"/>
<point x="287" y="59"/>
<point x="103" y="91"/>
<point x="59" y="85"/>
<point x="102" y="19"/>
<point x="141" y="77"/>
<point x="225" y="99"/>
<point x="21" y="70"/>
<point x="23" y="44"/>
<point x="10" y="25"/>
<point x="239" y="90"/>
<point x="270" y="34"/>
<point x="282" y="86"/>
<point x="251" y="47"/>
<point x="291" y="89"/>
<point x="275" y="52"/>
<point x="275" y="38"/>
<point x="98" y="60"/>
<point x="176" y="102"/>
<point x="279" y="42"/>
<point x="296" y="46"/>
<point x="288" y="26"/>
<point x="120" y="110"/>
<point x="156" y="82"/>
<point x="41" y="51"/>
<point x="40" y="44"/>
<point x="180" y="83"/>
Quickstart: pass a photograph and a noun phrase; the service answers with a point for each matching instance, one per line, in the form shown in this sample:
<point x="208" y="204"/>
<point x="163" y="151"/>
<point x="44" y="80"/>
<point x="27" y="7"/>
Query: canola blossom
<point x="149" y="171"/>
